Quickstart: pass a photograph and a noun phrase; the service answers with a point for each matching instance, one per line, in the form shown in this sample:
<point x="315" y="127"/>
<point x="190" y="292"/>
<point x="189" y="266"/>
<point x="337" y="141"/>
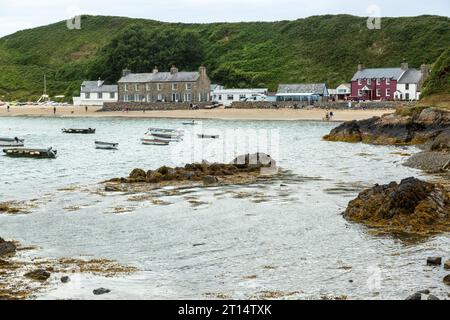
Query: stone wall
<point x="321" y="105"/>
<point x="155" y="106"/>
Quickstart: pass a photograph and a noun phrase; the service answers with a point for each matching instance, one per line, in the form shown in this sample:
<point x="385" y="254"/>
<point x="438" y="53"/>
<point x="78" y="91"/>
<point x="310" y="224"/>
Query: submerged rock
<point x="65" y="279"/>
<point x="38" y="275"/>
<point x="208" y="180"/>
<point x="101" y="291"/>
<point x="413" y="206"/>
<point x="415" y="296"/>
<point x="434" y="261"/>
<point x="447" y="280"/>
<point x="7" y="248"/>
<point x="447" y="265"/>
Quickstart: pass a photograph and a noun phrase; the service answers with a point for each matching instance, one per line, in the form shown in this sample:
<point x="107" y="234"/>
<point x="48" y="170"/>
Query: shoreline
<point x="210" y="114"/>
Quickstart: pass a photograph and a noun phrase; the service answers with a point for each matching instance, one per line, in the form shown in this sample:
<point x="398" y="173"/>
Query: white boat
<point x="154" y="142"/>
<point x="15" y="142"/>
<point x="208" y="136"/>
<point x="106" y="145"/>
<point x="166" y="137"/>
<point x="177" y="132"/>
<point x="189" y="123"/>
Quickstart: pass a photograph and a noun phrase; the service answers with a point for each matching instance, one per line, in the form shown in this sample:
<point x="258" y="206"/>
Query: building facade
<point x="96" y="93"/>
<point x="388" y="83"/>
<point x="306" y="92"/>
<point x="228" y="96"/>
<point x="173" y="86"/>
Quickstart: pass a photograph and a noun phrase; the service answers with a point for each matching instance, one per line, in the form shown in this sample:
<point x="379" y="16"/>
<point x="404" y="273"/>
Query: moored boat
<point x="106" y="145"/>
<point x="8" y="142"/>
<point x="189" y="123"/>
<point x="79" y="131"/>
<point x="30" y="153"/>
<point x="208" y="136"/>
<point x="154" y="142"/>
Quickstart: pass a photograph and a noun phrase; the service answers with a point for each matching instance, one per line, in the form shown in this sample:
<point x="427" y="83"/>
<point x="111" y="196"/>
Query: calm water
<point x="236" y="241"/>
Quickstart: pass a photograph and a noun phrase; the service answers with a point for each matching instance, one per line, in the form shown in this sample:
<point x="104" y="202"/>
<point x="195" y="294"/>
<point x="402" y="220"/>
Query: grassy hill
<point x="436" y="89"/>
<point x="316" y="49"/>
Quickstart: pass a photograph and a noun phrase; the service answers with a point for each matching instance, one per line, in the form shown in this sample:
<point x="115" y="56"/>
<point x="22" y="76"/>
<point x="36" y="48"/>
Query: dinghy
<point x="7" y="142"/>
<point x="79" y="131"/>
<point x="208" y="136"/>
<point x="174" y="132"/>
<point x="31" y="153"/>
<point x="154" y="142"/>
<point x="189" y="123"/>
<point x="106" y="145"/>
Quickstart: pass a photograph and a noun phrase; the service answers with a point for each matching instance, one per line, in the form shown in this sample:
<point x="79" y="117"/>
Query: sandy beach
<point x="244" y="114"/>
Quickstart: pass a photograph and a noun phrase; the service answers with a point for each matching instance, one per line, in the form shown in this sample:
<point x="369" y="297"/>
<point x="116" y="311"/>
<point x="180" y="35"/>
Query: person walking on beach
<point x="54" y="110"/>
<point x="7" y="107"/>
<point x="86" y="108"/>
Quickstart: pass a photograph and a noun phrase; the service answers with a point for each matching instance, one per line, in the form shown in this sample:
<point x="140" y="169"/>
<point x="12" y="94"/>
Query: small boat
<point x="7" y="142"/>
<point x="154" y="142"/>
<point x="166" y="137"/>
<point x="208" y="136"/>
<point x="177" y="132"/>
<point x="189" y="123"/>
<point x="79" y="131"/>
<point x="106" y="145"/>
<point x="30" y="153"/>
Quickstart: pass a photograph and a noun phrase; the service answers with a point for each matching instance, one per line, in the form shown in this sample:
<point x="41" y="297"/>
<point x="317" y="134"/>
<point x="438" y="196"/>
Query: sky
<point x="17" y="15"/>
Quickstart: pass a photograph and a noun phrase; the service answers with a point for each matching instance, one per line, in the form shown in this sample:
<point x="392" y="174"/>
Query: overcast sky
<point x="22" y="14"/>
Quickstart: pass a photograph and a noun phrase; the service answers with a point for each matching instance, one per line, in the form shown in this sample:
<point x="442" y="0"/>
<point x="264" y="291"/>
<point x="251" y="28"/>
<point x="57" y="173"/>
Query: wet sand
<point x="230" y="114"/>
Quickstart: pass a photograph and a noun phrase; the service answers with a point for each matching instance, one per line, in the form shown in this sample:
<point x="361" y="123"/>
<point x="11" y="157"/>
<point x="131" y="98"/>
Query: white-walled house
<point x="96" y="93"/>
<point x="228" y="96"/>
<point x="409" y="85"/>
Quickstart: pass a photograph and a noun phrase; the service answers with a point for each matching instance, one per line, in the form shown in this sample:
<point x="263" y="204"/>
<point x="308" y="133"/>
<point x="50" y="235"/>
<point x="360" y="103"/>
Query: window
<point x="229" y="97"/>
<point x="242" y="97"/>
<point x="378" y="92"/>
<point x="188" y="97"/>
<point x="360" y="93"/>
<point x="112" y="95"/>
<point x="359" y="82"/>
<point x="369" y="81"/>
<point x="407" y="86"/>
<point x="149" y="98"/>
<point x="175" y="97"/>
<point x="388" y="81"/>
<point x="174" y="86"/>
<point x="188" y="86"/>
<point x="88" y="95"/>
<point x="407" y="96"/>
<point x="147" y="87"/>
<point x="159" y="87"/>
<point x="100" y="95"/>
<point x="160" y="98"/>
<point x="126" y="87"/>
<point x="220" y="97"/>
<point x="378" y="81"/>
<point x="137" y="87"/>
<point x="137" y="98"/>
<point x="388" y="92"/>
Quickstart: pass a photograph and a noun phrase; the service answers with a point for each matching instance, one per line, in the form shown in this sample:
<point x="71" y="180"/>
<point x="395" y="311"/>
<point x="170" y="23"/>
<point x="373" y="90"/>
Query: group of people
<point x="329" y="116"/>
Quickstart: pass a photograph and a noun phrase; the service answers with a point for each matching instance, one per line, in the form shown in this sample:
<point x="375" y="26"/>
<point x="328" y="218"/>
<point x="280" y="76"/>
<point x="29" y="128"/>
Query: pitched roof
<point x="160" y="77"/>
<point x="379" y="73"/>
<point x="411" y="76"/>
<point x="302" y="88"/>
<point x="92" y="86"/>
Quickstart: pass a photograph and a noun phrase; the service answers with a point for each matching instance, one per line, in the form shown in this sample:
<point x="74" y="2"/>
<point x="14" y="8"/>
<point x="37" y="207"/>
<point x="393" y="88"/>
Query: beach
<point x="220" y="113"/>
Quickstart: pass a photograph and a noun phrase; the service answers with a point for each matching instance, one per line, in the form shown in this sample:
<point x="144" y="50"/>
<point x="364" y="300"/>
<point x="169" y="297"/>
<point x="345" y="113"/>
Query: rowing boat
<point x="79" y="131"/>
<point x="154" y="142"/>
<point x="7" y="142"/>
<point x="30" y="153"/>
<point x="106" y="145"/>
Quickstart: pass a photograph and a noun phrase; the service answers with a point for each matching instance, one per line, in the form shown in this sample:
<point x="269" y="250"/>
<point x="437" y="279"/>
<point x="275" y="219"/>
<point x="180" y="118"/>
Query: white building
<point x="95" y="93"/>
<point x="228" y="96"/>
<point x="410" y="84"/>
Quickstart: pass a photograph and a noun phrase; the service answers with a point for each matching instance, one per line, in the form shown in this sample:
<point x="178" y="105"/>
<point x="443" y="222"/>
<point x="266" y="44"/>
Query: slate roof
<point x="411" y="76"/>
<point x="92" y="86"/>
<point x="304" y="88"/>
<point x="160" y="77"/>
<point x="379" y="73"/>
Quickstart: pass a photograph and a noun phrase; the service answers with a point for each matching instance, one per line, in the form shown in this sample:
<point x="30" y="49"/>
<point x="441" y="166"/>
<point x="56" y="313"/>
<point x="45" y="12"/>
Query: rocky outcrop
<point x="38" y="275"/>
<point x="7" y="248"/>
<point x="413" y="206"/>
<point x="249" y="165"/>
<point x="405" y="127"/>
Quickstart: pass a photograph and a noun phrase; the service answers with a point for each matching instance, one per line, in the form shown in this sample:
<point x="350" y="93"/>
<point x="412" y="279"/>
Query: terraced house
<point x="173" y="86"/>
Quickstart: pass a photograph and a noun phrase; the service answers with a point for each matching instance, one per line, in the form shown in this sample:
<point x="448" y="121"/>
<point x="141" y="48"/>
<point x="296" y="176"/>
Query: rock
<point x="413" y="206"/>
<point x="163" y="170"/>
<point x="256" y="159"/>
<point x="65" y="279"/>
<point x="426" y="291"/>
<point x="415" y="296"/>
<point x="208" y="180"/>
<point x="434" y="261"/>
<point x="447" y="265"/>
<point x="101" y="291"/>
<point x="138" y="175"/>
<point x="430" y="161"/>
<point x="7" y="248"/>
<point x="441" y="142"/>
<point x="38" y="275"/>
<point x="347" y="132"/>
<point x="432" y="297"/>
<point x="110" y="188"/>
<point x="447" y="279"/>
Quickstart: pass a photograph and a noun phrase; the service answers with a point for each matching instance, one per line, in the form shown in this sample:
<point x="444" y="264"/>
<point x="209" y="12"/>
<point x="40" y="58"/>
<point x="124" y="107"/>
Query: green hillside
<point x="439" y="80"/>
<point x="315" y="49"/>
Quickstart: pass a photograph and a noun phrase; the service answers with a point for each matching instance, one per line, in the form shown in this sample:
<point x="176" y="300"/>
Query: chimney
<point x="155" y="70"/>
<point x="425" y="69"/>
<point x="404" y="65"/>
<point x="202" y="70"/>
<point x="173" y="70"/>
<point x="360" y="66"/>
<point x="126" y="72"/>
<point x="99" y="82"/>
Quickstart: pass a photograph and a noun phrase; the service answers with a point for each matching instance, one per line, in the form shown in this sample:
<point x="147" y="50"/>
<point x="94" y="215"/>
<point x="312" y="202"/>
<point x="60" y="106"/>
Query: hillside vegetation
<point x="254" y="54"/>
<point x="436" y="89"/>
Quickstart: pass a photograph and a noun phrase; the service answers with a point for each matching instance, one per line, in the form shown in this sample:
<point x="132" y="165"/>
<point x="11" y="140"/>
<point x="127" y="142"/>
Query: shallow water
<point x="285" y="236"/>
